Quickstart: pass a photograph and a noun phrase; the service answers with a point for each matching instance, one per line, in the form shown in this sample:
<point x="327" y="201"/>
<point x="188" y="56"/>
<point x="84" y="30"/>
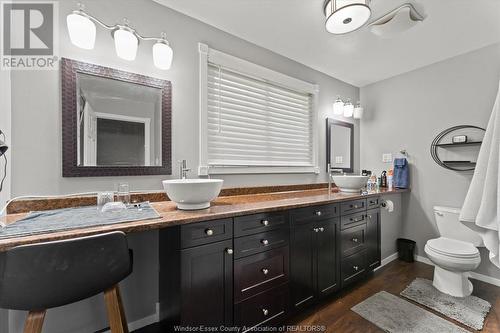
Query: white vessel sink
<point x="350" y="183"/>
<point x="192" y="194"/>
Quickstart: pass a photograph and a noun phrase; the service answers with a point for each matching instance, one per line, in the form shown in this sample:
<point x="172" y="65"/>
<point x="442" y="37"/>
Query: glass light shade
<point x="348" y="109"/>
<point x="81" y="31"/>
<point x="125" y="44"/>
<point x="343" y="16"/>
<point x="338" y="107"/>
<point x="162" y="55"/>
<point x="358" y="111"/>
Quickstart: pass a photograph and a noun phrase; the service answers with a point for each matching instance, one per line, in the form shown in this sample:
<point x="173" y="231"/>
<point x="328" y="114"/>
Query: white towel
<point x="480" y="211"/>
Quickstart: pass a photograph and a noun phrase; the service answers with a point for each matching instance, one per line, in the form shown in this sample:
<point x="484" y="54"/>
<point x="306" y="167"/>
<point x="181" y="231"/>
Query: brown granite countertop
<point x="222" y="207"/>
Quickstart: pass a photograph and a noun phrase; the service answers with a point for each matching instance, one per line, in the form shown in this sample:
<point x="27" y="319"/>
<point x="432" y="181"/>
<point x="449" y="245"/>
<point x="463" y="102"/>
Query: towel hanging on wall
<point x="480" y="211"/>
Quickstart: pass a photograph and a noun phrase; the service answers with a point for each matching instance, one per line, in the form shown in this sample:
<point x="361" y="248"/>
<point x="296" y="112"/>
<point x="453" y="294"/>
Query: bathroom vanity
<point x="257" y="269"/>
<point x="251" y="259"/>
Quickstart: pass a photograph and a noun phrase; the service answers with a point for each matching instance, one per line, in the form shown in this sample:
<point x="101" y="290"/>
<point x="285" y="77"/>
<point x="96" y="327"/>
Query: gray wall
<point x="36" y="97"/>
<point x="408" y="111"/>
<point x="36" y="127"/>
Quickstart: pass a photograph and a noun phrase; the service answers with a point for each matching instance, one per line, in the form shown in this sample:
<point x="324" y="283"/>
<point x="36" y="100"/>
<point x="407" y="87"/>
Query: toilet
<point x="454" y="254"/>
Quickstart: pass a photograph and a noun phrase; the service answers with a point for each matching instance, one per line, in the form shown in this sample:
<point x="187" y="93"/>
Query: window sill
<point x="230" y="170"/>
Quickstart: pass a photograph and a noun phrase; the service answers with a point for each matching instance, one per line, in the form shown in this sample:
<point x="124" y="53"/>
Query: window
<point x="254" y="120"/>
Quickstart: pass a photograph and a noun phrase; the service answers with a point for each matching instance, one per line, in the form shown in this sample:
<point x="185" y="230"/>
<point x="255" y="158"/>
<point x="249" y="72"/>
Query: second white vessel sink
<point x="192" y="194"/>
<point x="350" y="183"/>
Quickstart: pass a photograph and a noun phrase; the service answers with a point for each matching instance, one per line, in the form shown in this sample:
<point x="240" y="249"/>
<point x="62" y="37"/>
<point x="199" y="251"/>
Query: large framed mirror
<point x="114" y="123"/>
<point x="340" y="145"/>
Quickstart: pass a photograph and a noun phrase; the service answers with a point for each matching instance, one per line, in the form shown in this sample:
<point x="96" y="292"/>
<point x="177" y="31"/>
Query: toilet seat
<point x="452" y="248"/>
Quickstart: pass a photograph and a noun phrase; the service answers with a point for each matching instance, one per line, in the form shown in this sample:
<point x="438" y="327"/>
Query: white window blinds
<point x="252" y="121"/>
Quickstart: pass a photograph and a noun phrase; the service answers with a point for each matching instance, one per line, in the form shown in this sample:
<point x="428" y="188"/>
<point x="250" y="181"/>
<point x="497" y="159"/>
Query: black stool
<point x="38" y="277"/>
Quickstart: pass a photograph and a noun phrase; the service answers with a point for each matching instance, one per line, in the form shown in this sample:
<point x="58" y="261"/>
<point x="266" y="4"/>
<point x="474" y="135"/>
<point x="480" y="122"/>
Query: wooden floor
<point x="336" y="316"/>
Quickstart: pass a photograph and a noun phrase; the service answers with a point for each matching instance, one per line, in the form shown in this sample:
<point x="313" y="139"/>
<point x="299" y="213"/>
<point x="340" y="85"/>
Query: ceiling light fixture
<point x="82" y="32"/>
<point x="343" y="16"/>
<point x="338" y="107"/>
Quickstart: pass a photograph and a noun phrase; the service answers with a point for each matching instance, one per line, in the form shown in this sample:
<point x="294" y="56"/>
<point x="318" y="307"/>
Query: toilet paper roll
<point x="388" y="205"/>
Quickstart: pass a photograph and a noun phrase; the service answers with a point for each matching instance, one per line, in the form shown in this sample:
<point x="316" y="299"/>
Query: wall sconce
<point x="338" y="107"/>
<point x="82" y="32"/>
<point x="347" y="109"/>
<point x="358" y="111"/>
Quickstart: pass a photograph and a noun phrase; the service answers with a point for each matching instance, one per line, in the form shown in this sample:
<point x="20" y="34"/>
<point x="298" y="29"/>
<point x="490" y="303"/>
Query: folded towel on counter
<point x="480" y="211"/>
<point x="73" y="218"/>
<point x="401" y="176"/>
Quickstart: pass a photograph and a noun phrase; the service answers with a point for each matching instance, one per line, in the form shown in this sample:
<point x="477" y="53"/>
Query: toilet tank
<point x="449" y="226"/>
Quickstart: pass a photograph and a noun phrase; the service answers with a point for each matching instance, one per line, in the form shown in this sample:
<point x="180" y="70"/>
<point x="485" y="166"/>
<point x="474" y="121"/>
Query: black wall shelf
<point x="438" y="143"/>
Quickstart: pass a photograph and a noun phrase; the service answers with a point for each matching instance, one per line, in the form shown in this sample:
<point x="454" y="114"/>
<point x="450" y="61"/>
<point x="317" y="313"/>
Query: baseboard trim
<point x="474" y="275"/>
<point x="387" y="260"/>
<point x="143" y="322"/>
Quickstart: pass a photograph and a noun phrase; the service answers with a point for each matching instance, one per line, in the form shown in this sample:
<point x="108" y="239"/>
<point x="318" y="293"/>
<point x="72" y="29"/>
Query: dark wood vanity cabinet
<point x="314" y="255"/>
<point x="253" y="271"/>
<point x="196" y="274"/>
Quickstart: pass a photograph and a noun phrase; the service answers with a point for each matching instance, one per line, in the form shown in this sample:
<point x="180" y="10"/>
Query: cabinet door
<point x="207" y="285"/>
<point x="327" y="256"/>
<point x="373" y="238"/>
<point x="302" y="263"/>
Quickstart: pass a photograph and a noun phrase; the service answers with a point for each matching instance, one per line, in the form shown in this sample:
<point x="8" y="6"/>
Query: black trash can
<point x="406" y="249"/>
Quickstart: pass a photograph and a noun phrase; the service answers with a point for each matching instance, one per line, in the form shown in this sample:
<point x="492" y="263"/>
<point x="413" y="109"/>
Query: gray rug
<point x="395" y="315"/>
<point x="469" y="311"/>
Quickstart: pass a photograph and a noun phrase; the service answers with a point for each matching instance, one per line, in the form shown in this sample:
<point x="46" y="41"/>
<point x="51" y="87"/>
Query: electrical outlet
<point x="387" y="158"/>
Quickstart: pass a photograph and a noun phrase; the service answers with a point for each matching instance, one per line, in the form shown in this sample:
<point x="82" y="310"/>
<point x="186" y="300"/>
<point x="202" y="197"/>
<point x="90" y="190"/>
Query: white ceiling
<point x="295" y="29"/>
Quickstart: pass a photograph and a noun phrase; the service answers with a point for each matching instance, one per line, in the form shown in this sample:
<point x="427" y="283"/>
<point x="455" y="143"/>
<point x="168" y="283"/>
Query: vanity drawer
<point x="259" y="272"/>
<point x="353" y="268"/>
<point x="267" y="308"/>
<point x="206" y="232"/>
<point x="314" y="213"/>
<point x="354" y="206"/>
<point x="248" y="245"/>
<point x="352" y="220"/>
<point x="373" y="202"/>
<point x="353" y="240"/>
<point x="252" y="224"/>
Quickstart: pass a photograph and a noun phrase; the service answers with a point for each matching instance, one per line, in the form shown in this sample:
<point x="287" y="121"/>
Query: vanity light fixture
<point x="338" y="106"/>
<point x="82" y="32"/>
<point x="348" y="109"/>
<point x="358" y="111"/>
<point x="343" y="16"/>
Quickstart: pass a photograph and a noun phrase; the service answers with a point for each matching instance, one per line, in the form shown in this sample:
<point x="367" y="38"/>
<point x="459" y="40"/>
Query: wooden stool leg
<point x="116" y="314"/>
<point x="34" y="322"/>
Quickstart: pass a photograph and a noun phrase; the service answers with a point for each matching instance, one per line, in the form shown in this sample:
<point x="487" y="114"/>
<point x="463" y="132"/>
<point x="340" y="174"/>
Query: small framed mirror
<point x="115" y="123"/>
<point x="340" y="145"/>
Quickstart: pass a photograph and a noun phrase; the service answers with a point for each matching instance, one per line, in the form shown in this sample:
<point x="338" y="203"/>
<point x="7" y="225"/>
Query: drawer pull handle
<point x="229" y="251"/>
<point x="355" y="240"/>
<point x="357" y="220"/>
<point x="318" y="213"/>
<point x="265" y="271"/>
<point x="209" y="232"/>
<point x="356" y="268"/>
<point x="264" y="242"/>
<point x="265" y="312"/>
<point x="321" y="229"/>
<point x="265" y="222"/>
<point x="316" y="229"/>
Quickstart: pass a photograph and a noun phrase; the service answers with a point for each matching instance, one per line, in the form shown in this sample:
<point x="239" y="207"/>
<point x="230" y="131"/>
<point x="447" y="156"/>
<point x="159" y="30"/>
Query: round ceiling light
<point x="343" y="16"/>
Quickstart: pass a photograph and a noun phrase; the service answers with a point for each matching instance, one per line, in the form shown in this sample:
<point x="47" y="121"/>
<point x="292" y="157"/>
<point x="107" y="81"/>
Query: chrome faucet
<point x="330" y="172"/>
<point x="183" y="169"/>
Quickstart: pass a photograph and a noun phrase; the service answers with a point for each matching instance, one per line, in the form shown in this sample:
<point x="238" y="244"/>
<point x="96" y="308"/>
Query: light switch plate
<point x="387" y="158"/>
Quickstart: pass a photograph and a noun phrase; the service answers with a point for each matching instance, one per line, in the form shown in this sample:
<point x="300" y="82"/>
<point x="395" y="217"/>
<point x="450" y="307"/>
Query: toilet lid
<point x="453" y="247"/>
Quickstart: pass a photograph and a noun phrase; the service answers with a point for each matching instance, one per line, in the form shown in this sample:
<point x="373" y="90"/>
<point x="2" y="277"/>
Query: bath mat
<point x="395" y="315"/>
<point x="469" y="311"/>
<point x="73" y="218"/>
